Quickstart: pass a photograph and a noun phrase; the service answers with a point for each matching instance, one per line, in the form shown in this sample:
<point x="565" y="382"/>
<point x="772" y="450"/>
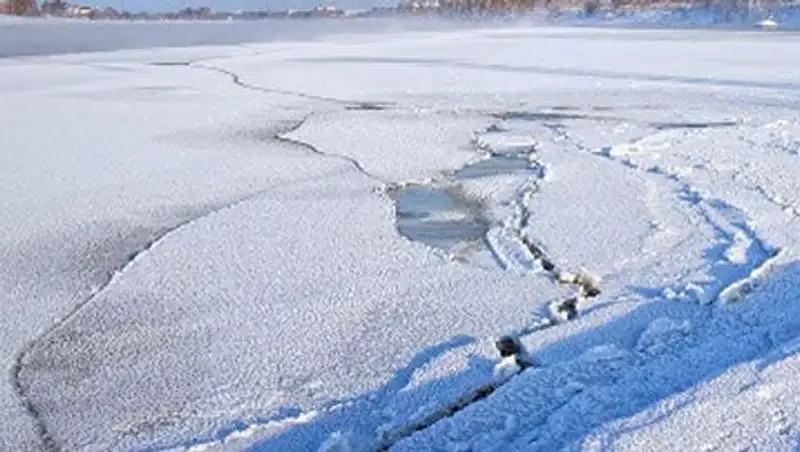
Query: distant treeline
<point x="517" y="5"/>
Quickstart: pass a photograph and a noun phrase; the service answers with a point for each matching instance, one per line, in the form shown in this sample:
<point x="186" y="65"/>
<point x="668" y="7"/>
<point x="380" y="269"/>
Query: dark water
<point x="55" y="37"/>
<point x="444" y="215"/>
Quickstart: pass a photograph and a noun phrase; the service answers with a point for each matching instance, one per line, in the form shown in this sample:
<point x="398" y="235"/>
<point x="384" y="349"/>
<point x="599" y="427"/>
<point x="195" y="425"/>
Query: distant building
<point x="61" y="8"/>
<point x="80" y="11"/>
<point x="19" y="7"/>
<point x="420" y="5"/>
<point x="327" y="10"/>
<point x="54" y="8"/>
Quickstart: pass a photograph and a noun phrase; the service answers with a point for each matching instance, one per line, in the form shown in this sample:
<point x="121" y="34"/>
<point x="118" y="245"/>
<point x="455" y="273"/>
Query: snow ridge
<point x="744" y="241"/>
<point x="512" y="248"/>
<point x="771" y="197"/>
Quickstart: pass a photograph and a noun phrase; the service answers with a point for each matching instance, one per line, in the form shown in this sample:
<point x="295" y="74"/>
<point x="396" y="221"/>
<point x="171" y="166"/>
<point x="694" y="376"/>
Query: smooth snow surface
<point x="314" y="245"/>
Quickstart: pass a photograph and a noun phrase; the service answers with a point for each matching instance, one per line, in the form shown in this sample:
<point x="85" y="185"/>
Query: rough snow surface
<point x="315" y="245"/>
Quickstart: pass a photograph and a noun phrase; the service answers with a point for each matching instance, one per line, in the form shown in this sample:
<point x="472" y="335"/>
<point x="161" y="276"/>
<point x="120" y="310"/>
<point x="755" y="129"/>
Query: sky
<point x="231" y="5"/>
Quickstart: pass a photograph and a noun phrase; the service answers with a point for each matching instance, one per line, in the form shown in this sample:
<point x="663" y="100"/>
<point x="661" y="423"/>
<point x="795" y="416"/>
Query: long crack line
<point x="239" y="81"/>
<point x="46" y="437"/>
<point x="352" y="161"/>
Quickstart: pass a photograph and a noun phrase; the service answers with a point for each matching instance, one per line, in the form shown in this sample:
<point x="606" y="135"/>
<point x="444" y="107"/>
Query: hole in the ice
<point x="537" y="116"/>
<point x="440" y="217"/>
<point x="693" y="125"/>
<point x="446" y="215"/>
<point x="495" y="165"/>
<point x="170" y="63"/>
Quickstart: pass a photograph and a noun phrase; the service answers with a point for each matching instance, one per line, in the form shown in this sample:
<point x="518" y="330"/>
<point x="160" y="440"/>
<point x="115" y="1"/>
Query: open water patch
<point x="539" y="115"/>
<point x="171" y="63"/>
<point x="449" y="213"/>
<point x="693" y="125"/>
<point x="439" y="216"/>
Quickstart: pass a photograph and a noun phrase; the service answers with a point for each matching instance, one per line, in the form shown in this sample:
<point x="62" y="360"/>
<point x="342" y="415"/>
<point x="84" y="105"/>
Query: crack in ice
<point x="239" y="81"/>
<point x="703" y="206"/>
<point x="49" y="443"/>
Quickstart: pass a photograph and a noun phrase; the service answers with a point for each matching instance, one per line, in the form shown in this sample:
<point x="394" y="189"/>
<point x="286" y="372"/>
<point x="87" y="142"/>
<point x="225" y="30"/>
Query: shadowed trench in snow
<point x="625" y="367"/>
<point x="360" y="415"/>
<point x="605" y="386"/>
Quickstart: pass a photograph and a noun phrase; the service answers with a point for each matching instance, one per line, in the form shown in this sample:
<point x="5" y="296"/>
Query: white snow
<point x="661" y="332"/>
<point x="506" y="368"/>
<point x="336" y="443"/>
<point x="217" y="252"/>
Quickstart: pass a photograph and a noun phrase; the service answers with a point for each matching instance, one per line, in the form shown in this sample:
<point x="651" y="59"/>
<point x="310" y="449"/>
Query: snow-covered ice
<point x="313" y="245"/>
